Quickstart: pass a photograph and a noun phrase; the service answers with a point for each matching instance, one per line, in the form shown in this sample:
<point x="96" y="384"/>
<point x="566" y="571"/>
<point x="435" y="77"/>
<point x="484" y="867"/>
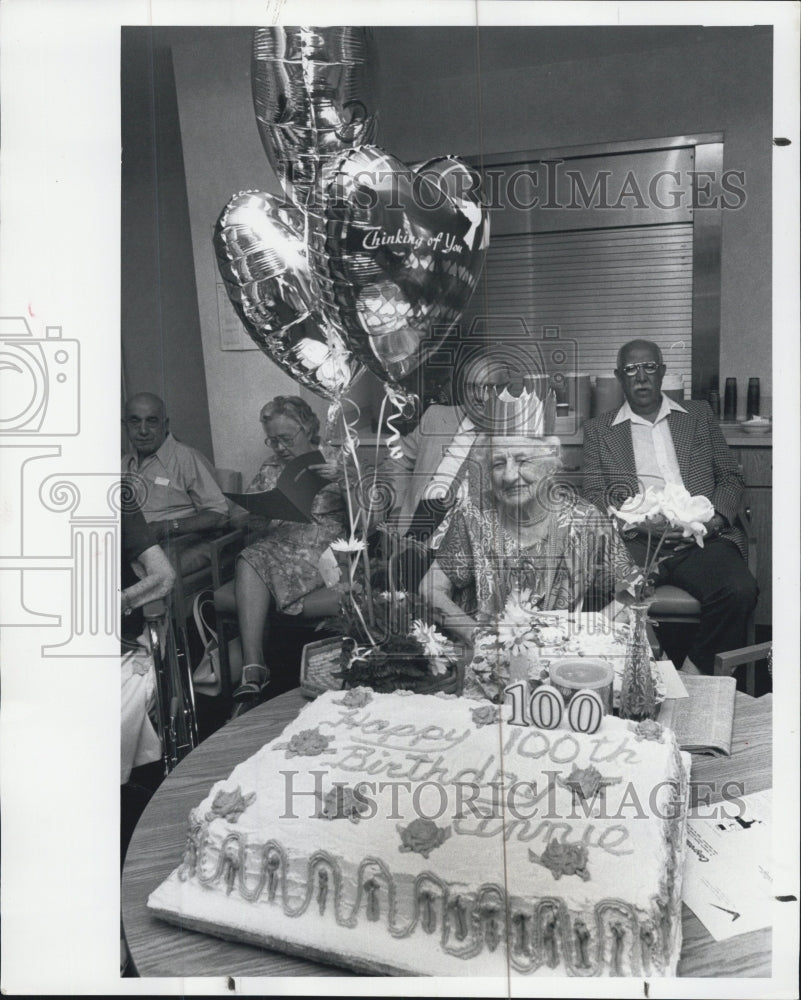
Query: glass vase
<point x="637" y="694"/>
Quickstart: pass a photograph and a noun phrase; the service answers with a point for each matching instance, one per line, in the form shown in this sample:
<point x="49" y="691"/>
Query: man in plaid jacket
<point x="651" y="441"/>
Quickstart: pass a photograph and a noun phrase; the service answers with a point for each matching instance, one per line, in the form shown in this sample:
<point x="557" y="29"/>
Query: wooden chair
<point x="726" y="663"/>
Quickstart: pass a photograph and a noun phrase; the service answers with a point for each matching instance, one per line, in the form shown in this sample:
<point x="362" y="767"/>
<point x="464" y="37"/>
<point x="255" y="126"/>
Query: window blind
<point x="592" y="290"/>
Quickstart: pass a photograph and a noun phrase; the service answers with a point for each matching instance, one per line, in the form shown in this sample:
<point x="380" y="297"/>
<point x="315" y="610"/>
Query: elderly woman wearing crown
<point x="515" y="527"/>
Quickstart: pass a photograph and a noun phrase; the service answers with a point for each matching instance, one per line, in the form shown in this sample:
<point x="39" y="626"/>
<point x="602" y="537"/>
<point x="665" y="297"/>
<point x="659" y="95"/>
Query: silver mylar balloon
<point x="401" y="255"/>
<point x="261" y="255"/>
<point x="312" y="92"/>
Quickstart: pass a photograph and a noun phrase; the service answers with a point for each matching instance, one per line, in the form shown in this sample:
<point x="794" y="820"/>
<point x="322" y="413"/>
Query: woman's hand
<point x="328" y="470"/>
<point x="334" y="469"/>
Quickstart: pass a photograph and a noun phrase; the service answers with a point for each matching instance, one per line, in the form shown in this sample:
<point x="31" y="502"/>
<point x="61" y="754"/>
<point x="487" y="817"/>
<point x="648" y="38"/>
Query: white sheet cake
<point x="410" y="834"/>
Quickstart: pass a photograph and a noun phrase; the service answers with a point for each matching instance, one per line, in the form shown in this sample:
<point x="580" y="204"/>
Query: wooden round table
<point x="156" y="848"/>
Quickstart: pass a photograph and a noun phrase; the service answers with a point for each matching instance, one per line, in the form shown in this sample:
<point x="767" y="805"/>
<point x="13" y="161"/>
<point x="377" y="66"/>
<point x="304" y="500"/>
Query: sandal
<point x="255" y="679"/>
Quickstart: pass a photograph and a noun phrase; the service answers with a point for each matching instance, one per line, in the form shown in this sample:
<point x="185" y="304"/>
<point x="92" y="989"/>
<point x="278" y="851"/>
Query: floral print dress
<point x="485" y="560"/>
<point x="286" y="557"/>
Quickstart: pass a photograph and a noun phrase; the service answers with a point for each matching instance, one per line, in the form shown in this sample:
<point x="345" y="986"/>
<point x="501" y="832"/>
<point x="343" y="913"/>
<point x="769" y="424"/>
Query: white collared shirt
<point x="179" y="482"/>
<point x="654" y="454"/>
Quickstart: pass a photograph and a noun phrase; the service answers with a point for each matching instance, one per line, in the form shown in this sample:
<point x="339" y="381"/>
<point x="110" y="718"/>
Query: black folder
<point x="293" y="495"/>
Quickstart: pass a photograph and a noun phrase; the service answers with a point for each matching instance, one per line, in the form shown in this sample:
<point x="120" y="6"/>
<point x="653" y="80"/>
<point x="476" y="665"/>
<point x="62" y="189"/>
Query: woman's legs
<point x="253" y="602"/>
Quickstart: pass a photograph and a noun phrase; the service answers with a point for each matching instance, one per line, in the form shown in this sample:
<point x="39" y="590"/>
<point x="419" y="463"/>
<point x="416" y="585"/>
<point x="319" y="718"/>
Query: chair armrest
<point x="218" y="547"/>
<point x="155" y="610"/>
<point x="744" y="522"/>
<point x="726" y="662"/>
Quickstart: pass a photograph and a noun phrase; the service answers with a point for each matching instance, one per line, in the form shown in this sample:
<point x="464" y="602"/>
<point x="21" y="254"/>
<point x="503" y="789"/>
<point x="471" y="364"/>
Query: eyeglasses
<point x="480" y="389"/>
<point x="536" y="455"/>
<point x="649" y="367"/>
<point x="287" y="440"/>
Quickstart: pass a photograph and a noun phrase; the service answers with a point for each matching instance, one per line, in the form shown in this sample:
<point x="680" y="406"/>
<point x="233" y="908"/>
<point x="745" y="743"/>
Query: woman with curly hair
<point x="280" y="569"/>
<point x="514" y="528"/>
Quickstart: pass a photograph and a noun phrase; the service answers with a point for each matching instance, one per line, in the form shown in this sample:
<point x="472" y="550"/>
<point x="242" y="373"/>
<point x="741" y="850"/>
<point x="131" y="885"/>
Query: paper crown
<point x="529" y="410"/>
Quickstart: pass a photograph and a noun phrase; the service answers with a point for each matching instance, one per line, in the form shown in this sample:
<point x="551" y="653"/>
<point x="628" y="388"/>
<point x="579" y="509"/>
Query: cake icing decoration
<point x="322" y="889"/>
<point x="371" y="887"/>
<point x="459" y="908"/>
<point x="428" y="916"/>
<point x="422" y="836"/>
<point x="520" y="923"/>
<point x="356" y="698"/>
<point x="307" y="743"/>
<point x="618" y="936"/>
<point x="563" y="859"/>
<point x="489" y="913"/>
<point x="582" y="935"/>
<point x="649" y="729"/>
<point x="342" y="803"/>
<point x="573" y="930"/>
<point x="194" y="839"/>
<point x="585" y="782"/>
<point x="273" y="864"/>
<point x="647" y="942"/>
<point x="230" y="805"/>
<point x="486" y="715"/>
<point x="549" y="938"/>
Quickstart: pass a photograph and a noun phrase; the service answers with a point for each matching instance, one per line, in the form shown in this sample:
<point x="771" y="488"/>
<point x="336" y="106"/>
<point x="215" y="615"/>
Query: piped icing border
<point x="611" y="938"/>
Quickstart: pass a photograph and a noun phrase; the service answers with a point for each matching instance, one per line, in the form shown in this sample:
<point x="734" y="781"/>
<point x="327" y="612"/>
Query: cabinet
<point x="757" y="465"/>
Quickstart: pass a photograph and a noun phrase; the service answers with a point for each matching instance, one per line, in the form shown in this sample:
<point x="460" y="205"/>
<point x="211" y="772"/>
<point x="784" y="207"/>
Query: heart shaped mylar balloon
<point x="261" y="254"/>
<point x="312" y="92"/>
<point x="402" y="254"/>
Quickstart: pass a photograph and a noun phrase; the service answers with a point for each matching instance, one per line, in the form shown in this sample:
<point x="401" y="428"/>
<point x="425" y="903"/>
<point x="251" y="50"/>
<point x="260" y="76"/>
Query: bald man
<point x="182" y="496"/>
<point x="651" y="441"/>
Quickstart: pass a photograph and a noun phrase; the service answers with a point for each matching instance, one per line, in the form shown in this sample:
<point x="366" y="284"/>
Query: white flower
<point x="687" y="512"/>
<point x="438" y="665"/>
<point x="434" y="643"/>
<point x="639" y="508"/>
<point x="351" y="545"/>
<point x="396" y="595"/>
<point x="517" y="639"/>
<point x="520" y="606"/>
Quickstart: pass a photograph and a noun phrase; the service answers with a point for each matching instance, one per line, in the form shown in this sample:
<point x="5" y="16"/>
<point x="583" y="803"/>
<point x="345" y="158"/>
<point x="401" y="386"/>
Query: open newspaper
<point x="703" y="722"/>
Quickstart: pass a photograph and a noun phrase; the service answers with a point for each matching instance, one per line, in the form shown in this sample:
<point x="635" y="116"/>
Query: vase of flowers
<point x="637" y="692"/>
<point x="658" y="511"/>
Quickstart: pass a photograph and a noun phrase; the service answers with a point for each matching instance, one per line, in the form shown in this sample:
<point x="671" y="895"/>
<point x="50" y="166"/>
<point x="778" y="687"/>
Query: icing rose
<point x="422" y="836"/>
<point x="230" y="805"/>
<point x="341" y="803"/>
<point x="308" y="743"/>
<point x="486" y="715"/>
<point x="586" y="781"/>
<point x="563" y="859"/>
<point x="356" y="698"/>
<point x="649" y="729"/>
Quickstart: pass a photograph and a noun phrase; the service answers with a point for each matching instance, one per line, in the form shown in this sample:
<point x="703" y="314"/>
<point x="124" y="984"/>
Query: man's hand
<point x="714" y="526"/>
<point x="655" y="528"/>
